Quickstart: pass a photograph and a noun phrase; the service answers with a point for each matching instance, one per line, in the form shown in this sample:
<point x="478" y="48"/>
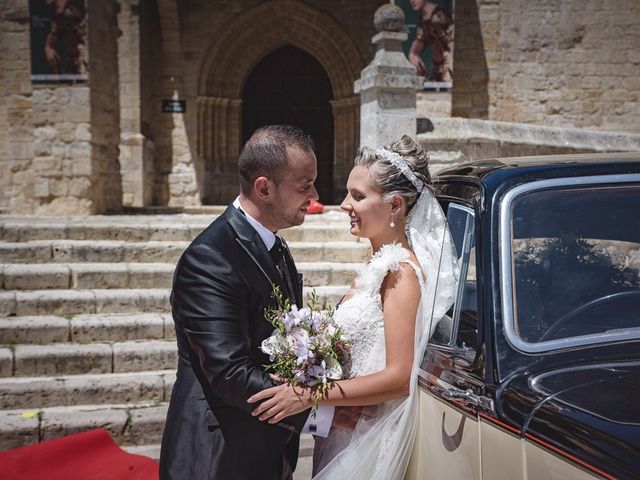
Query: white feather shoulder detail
<point x="385" y="260"/>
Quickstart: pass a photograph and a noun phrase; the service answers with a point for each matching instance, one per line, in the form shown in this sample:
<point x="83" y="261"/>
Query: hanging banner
<point x="429" y="24"/>
<point x="58" y="40"/>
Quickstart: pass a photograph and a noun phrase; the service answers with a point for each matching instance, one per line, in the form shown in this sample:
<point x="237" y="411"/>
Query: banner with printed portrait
<point x="58" y="40"/>
<point x="429" y="24"/>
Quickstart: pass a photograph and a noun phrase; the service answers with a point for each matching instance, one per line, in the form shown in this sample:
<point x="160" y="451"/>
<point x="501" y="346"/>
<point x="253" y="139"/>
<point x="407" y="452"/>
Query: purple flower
<point x="299" y="340"/>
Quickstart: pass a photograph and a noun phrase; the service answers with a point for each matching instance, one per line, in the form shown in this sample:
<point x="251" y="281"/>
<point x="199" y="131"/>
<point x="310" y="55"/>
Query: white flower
<point x="320" y="341"/>
<point x="334" y="370"/>
<point x="328" y="369"/>
<point x="299" y="376"/>
<point x="317" y="374"/>
<point x="274" y="345"/>
<point x="318" y="321"/>
<point x="296" y="317"/>
<point x="304" y="315"/>
<point x="301" y="344"/>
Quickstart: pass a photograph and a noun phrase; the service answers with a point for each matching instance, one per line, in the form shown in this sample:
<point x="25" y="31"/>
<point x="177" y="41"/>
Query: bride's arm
<point x="401" y="295"/>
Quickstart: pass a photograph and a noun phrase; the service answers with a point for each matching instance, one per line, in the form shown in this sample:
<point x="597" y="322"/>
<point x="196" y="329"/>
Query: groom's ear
<point x="263" y="189"/>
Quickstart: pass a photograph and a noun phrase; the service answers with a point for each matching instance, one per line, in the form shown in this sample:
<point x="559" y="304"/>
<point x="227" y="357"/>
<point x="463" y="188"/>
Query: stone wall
<point x="571" y="63"/>
<point x="62" y="163"/>
<point x="76" y="129"/>
<point x="60" y="143"/>
<point x="457" y="140"/>
<point x="189" y="30"/>
<point x="16" y="137"/>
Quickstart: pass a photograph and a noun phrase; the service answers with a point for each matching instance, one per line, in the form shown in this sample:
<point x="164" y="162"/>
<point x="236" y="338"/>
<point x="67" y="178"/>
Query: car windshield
<point x="576" y="262"/>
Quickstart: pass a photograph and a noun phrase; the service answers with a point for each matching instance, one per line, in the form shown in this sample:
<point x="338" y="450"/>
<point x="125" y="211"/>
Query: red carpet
<point x="90" y="455"/>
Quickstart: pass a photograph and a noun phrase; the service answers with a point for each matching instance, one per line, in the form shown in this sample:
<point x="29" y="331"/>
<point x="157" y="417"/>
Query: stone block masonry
<point x="59" y="142"/>
<point x="573" y="63"/>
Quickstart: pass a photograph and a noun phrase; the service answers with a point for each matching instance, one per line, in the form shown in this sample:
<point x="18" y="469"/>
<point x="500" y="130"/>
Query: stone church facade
<point x="104" y="144"/>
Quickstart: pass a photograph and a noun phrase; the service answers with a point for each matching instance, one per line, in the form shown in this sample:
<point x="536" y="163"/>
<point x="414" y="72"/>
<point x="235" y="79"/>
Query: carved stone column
<point x="388" y="85"/>
<point x="136" y="150"/>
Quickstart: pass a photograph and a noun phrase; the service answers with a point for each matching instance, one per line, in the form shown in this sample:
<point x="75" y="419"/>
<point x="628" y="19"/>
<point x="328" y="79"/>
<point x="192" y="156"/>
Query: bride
<point x="390" y="312"/>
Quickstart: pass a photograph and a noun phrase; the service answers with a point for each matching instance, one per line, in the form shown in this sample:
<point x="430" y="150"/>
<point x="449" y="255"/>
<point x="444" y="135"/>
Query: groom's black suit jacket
<point x="222" y="283"/>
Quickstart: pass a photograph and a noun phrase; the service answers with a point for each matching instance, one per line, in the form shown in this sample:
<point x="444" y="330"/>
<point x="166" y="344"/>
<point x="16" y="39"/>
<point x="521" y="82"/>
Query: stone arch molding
<point x="233" y="53"/>
<point x="262" y="29"/>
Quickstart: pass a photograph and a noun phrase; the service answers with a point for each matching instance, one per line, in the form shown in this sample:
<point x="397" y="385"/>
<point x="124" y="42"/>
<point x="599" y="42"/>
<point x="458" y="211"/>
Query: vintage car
<point x="535" y="371"/>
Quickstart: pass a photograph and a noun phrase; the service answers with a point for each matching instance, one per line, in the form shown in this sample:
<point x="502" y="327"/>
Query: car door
<point x="447" y="444"/>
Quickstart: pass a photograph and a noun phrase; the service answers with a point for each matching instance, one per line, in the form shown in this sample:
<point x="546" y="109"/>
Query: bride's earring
<point x="392" y="223"/>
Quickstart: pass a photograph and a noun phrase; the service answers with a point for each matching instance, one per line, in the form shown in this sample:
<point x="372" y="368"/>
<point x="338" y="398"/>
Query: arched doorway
<point x="234" y="54"/>
<point x="289" y="86"/>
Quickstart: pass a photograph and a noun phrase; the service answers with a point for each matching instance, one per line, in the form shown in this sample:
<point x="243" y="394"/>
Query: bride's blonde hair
<point x="388" y="178"/>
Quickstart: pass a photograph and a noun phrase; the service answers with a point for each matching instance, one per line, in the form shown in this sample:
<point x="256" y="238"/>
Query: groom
<point x="222" y="283"/>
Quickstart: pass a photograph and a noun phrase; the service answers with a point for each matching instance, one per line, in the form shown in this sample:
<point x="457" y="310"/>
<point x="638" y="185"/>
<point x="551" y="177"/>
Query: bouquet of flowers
<point x="307" y="347"/>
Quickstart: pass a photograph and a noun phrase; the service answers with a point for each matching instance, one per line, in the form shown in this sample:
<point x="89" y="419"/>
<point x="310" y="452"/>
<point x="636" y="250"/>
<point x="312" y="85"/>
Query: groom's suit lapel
<point x="253" y="245"/>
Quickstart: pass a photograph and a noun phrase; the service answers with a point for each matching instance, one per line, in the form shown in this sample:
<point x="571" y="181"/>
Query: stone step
<point x="83" y="251"/>
<point x="326" y="227"/>
<point x="73" y="302"/>
<point x="85" y="276"/>
<point x="302" y="470"/>
<point x="45" y="329"/>
<point x="128" y="424"/>
<point x="97" y="357"/>
<point x="64" y="390"/>
<point x="66" y="302"/>
<point x="137" y="427"/>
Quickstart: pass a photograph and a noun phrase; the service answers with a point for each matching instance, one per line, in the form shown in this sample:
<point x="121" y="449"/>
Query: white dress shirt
<point x="321" y="423"/>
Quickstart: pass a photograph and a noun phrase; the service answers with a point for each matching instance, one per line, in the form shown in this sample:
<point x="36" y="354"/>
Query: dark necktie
<point x="279" y="255"/>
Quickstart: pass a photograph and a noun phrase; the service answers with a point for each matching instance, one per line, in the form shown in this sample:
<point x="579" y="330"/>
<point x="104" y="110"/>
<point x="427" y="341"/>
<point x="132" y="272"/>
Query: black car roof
<point x="543" y="166"/>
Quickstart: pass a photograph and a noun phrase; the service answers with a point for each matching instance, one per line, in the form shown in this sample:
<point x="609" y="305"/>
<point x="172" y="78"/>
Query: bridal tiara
<point x="401" y="164"/>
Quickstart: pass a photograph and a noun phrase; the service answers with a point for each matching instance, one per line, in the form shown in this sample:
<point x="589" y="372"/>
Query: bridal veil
<point x="381" y="446"/>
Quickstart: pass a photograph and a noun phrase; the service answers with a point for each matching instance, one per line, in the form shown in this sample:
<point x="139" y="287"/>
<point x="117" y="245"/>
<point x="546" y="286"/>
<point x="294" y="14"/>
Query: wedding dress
<point x="360" y="318"/>
<point x="380" y="445"/>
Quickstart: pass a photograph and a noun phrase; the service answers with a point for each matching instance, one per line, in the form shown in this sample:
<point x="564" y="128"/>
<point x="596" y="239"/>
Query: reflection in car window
<point x="467" y="334"/>
<point x="576" y="262"/>
<point x="460" y="320"/>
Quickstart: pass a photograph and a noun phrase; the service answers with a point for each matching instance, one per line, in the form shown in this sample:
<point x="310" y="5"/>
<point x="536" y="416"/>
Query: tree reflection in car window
<point x="576" y="262"/>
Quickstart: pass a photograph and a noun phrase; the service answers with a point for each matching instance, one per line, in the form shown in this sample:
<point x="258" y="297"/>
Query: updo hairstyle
<point x="388" y="178"/>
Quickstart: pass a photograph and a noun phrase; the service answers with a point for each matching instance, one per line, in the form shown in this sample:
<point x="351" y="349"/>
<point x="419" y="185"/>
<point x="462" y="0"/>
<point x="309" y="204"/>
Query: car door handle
<point x="466" y="396"/>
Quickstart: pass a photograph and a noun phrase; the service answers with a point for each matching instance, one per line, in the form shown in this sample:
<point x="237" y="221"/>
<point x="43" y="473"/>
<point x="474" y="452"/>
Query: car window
<point x="575" y="259"/>
<point x="459" y="325"/>
<point x="467" y="333"/>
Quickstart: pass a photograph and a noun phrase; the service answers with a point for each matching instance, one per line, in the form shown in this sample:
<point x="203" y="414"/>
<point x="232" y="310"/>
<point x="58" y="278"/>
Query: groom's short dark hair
<point x="265" y="153"/>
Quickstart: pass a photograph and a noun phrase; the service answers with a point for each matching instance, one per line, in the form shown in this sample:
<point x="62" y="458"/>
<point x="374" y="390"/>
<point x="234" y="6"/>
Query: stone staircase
<point x="86" y="336"/>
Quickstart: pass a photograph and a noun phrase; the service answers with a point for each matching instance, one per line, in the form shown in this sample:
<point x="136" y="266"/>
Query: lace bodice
<point x="360" y="315"/>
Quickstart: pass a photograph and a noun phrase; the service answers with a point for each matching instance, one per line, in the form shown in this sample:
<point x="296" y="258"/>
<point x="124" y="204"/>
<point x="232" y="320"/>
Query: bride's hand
<point x="280" y="402"/>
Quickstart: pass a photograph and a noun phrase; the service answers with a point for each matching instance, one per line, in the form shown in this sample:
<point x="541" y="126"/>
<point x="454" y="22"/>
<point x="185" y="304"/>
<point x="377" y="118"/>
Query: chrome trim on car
<point x="506" y="267"/>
